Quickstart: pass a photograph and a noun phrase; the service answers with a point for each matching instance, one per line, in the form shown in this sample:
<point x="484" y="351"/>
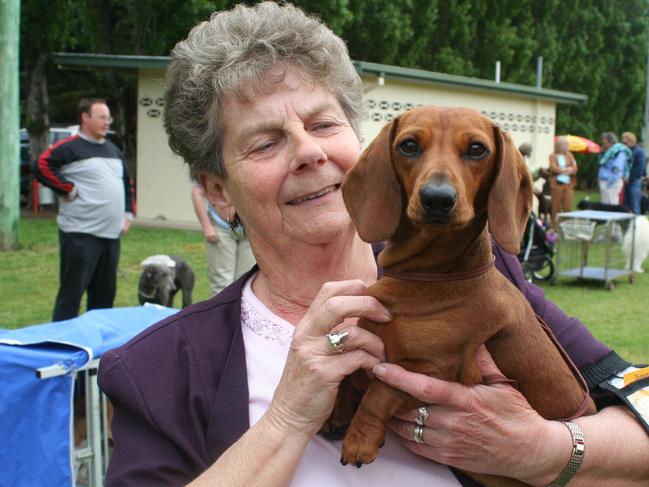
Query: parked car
<point x="56" y="134"/>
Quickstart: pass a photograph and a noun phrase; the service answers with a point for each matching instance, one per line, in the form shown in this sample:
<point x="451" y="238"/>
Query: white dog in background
<point x="641" y="247"/>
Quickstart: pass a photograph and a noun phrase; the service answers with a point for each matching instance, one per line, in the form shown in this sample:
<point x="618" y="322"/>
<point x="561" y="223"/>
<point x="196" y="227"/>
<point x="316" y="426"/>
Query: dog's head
<point x="156" y="283"/>
<point x="440" y="168"/>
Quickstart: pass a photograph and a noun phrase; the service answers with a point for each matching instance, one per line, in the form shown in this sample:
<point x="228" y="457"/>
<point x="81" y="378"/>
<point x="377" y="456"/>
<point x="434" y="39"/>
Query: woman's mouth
<point x="312" y="196"/>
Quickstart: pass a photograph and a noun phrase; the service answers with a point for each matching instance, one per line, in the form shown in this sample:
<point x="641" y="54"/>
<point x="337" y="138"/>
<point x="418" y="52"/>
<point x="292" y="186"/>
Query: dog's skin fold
<point x="428" y="184"/>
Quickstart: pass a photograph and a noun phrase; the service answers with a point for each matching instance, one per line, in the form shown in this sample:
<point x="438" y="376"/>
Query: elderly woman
<point x="614" y="162"/>
<point x="563" y="169"/>
<point x="265" y="106"/>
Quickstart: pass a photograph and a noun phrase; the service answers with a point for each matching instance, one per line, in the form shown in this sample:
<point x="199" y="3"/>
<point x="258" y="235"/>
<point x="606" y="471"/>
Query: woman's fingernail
<point x="379" y="370"/>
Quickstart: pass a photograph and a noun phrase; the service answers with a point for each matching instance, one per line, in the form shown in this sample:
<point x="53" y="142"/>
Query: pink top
<point x="267" y="338"/>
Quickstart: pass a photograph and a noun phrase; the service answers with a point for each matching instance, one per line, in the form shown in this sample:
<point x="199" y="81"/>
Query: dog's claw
<point x="342" y="461"/>
<point x="359" y="464"/>
<point x="335" y="432"/>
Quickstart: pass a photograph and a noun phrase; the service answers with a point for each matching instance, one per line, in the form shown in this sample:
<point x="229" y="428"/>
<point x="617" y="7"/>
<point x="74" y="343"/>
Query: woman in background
<point x="563" y="169"/>
<point x="229" y="255"/>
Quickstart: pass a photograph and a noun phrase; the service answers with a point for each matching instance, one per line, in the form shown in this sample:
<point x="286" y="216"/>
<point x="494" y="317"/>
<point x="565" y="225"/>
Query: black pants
<point x="87" y="263"/>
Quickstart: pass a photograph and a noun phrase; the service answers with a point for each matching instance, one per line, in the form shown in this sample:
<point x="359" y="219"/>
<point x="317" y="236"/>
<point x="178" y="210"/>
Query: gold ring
<point x="337" y="340"/>
<point x="418" y="434"/>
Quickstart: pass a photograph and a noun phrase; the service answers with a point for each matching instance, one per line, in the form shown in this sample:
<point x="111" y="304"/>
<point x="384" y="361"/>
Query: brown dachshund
<point x="428" y="184"/>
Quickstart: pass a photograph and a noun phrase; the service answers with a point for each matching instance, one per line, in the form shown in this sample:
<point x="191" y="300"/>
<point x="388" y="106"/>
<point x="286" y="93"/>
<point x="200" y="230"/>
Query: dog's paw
<point x="357" y="450"/>
<point x="333" y="430"/>
<point x="335" y="427"/>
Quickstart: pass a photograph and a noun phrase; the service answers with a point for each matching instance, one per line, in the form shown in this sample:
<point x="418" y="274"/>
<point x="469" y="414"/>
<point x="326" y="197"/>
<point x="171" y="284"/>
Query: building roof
<point x="364" y="68"/>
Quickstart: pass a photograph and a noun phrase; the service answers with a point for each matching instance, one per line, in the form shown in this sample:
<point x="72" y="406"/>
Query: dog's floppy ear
<point x="371" y="190"/>
<point x="510" y="198"/>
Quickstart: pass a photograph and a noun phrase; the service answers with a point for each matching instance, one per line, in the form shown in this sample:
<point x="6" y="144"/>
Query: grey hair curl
<point x="235" y="49"/>
<point x="610" y="137"/>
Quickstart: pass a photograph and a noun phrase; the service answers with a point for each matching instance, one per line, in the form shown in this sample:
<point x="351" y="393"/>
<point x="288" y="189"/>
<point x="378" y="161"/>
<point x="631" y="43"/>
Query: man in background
<point x="89" y="174"/>
<point x="633" y="187"/>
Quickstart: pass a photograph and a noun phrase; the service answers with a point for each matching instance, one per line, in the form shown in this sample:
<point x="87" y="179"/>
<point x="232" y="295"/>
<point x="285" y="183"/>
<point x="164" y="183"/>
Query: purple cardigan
<point x="180" y="393"/>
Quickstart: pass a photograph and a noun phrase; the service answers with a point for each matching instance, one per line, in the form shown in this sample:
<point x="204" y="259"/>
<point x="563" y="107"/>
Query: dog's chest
<point x="439" y="318"/>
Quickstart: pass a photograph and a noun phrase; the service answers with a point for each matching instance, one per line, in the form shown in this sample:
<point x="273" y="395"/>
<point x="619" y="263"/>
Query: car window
<point x="56" y="136"/>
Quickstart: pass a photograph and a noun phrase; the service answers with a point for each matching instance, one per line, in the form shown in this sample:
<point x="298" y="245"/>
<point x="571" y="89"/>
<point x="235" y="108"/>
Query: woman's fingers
<point x="354" y="338"/>
<point x="316" y="362"/>
<point x="429" y="390"/>
<point x="483" y="428"/>
<point x="337" y="301"/>
<point x="491" y="374"/>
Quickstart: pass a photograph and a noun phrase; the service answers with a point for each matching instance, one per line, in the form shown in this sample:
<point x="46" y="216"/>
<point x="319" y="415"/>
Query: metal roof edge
<point x="363" y="67"/>
<point x="110" y="60"/>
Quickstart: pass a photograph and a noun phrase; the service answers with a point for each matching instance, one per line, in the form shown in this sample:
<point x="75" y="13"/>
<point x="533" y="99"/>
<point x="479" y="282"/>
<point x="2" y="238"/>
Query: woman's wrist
<point x="280" y="424"/>
<point x="551" y="455"/>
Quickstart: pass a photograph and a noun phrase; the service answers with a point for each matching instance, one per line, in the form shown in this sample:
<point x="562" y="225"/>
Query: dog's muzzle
<point x="437" y="200"/>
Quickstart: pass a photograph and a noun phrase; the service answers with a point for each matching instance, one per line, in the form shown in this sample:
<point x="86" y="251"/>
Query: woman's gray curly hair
<point x="235" y="49"/>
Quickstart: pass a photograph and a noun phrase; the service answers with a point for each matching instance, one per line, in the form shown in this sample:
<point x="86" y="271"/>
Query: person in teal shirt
<point x="614" y="165"/>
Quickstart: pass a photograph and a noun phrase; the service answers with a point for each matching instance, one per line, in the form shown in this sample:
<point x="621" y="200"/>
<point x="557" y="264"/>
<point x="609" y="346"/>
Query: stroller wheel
<point x="528" y="271"/>
<point x="546" y="271"/>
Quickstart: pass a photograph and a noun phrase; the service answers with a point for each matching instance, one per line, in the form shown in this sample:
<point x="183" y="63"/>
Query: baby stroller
<point x="536" y="252"/>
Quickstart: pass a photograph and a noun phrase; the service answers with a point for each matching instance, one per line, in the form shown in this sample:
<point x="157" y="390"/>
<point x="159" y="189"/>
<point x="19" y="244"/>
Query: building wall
<point x="163" y="186"/>
<point x="524" y="119"/>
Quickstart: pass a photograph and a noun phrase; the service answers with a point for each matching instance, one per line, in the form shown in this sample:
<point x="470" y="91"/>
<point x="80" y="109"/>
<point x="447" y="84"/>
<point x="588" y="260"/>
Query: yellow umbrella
<point x="581" y="144"/>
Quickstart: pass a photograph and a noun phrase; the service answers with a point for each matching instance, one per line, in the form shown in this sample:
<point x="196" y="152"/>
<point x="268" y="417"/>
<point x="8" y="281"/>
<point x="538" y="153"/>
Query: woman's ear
<point x="217" y="195"/>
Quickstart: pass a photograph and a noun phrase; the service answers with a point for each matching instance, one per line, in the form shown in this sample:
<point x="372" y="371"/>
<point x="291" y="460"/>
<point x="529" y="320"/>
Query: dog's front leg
<point x="187" y="298"/>
<point x="350" y="392"/>
<point x="366" y="432"/>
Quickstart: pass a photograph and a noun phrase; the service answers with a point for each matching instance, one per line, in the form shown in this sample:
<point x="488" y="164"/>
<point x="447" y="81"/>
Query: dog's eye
<point x="477" y="151"/>
<point x="408" y="148"/>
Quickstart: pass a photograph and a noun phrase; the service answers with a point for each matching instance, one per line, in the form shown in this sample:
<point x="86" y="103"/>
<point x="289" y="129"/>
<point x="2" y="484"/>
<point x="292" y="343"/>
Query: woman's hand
<point x="210" y="234"/>
<point x="307" y="389"/>
<point x="489" y="428"/>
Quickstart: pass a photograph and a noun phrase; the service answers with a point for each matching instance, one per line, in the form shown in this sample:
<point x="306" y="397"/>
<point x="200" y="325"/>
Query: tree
<point x="595" y="47"/>
<point x="40" y="36"/>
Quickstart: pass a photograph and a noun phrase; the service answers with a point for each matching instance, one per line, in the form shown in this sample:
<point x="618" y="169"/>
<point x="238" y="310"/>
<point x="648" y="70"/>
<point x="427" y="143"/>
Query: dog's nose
<point x="437" y="199"/>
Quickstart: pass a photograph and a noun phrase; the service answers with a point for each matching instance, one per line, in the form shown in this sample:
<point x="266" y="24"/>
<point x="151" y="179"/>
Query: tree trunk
<point x="118" y="83"/>
<point x="37" y="119"/>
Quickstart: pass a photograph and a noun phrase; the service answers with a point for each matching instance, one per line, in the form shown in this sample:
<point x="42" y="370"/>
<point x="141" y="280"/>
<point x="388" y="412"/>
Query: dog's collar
<point x="445" y="277"/>
<point x="148" y="296"/>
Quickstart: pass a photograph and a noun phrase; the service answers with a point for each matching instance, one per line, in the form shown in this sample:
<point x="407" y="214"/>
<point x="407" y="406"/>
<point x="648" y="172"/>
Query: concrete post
<point x="9" y="124"/>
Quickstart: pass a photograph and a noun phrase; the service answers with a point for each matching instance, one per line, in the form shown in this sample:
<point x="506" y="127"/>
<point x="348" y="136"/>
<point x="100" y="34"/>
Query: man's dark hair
<point x="85" y="105"/>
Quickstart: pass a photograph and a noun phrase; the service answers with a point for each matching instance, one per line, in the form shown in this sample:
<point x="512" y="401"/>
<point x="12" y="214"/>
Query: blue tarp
<point x="35" y="414"/>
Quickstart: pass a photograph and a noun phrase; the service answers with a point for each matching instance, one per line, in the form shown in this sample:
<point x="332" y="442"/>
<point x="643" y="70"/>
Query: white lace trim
<point x="263" y="322"/>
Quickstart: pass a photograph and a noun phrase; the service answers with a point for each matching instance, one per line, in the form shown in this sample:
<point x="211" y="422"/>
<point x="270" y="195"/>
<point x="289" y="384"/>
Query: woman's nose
<point x="306" y="151"/>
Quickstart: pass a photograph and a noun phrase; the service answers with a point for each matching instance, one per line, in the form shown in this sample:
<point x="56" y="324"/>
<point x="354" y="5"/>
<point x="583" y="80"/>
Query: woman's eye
<point x="262" y="147"/>
<point x="408" y="148"/>
<point x="477" y="151"/>
<point x="323" y="126"/>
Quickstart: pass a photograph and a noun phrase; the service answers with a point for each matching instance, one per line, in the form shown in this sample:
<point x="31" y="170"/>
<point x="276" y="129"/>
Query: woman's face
<point x="286" y="150"/>
<point x="607" y="144"/>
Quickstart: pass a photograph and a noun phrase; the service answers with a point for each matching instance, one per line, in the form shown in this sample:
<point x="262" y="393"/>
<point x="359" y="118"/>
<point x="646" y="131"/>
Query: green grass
<point x="30" y="281"/>
<point x="616" y="317"/>
<point x="30" y="275"/>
